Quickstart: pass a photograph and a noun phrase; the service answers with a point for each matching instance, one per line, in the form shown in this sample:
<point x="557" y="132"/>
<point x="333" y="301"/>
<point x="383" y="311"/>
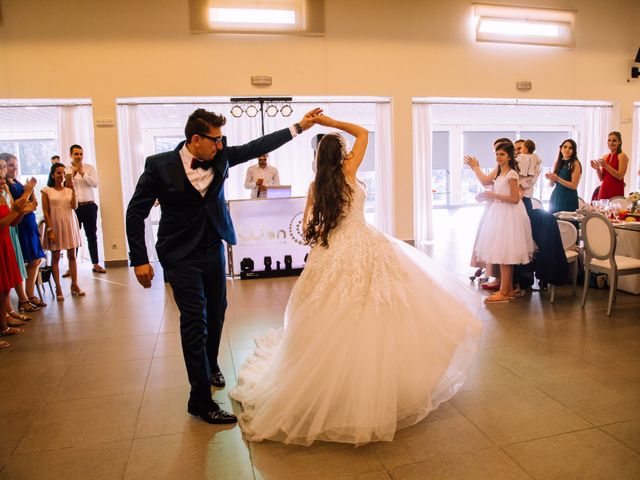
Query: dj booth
<point x="269" y="232"/>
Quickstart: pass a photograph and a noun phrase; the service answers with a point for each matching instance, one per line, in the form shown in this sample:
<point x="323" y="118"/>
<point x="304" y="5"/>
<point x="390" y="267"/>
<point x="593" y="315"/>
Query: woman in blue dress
<point x="565" y="176"/>
<point x="29" y="238"/>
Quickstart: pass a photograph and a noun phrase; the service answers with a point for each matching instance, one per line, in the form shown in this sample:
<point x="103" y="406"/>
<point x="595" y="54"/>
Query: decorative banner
<point x="268" y="227"/>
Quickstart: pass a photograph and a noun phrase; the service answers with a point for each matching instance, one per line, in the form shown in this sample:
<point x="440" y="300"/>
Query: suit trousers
<point x="88" y="219"/>
<point x="200" y="291"/>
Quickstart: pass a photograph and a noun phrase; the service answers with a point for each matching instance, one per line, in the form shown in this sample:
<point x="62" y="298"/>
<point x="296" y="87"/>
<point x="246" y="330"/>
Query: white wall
<point x="403" y="49"/>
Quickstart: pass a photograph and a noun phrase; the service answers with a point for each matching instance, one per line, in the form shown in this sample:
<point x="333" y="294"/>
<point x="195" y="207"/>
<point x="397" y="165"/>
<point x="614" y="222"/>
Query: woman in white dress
<point x="504" y="235"/>
<point x="373" y="340"/>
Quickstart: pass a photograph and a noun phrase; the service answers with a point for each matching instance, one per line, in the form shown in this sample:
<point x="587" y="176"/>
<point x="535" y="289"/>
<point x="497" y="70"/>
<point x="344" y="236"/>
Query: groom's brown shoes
<point x="215" y="417"/>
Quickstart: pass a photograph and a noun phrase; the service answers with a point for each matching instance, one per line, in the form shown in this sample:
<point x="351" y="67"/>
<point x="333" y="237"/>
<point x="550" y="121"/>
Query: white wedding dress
<point x="375" y="337"/>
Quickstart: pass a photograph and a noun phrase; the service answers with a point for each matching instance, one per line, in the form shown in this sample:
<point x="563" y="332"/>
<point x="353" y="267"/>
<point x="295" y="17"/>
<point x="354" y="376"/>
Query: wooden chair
<point x="569" y="234"/>
<point x="600" y="246"/>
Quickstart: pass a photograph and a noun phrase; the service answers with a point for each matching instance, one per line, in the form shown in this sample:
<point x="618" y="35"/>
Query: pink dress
<point x="63" y="220"/>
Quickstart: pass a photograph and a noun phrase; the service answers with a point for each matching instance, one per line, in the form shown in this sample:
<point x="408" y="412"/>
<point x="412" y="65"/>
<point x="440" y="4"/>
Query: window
<point x="440" y="171"/>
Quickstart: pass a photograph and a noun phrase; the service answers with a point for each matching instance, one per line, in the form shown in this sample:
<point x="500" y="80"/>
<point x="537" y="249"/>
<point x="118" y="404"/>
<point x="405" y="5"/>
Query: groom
<point x="189" y="184"/>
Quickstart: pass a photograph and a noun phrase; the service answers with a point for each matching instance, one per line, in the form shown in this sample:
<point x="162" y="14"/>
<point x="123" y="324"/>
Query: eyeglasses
<point x="213" y="139"/>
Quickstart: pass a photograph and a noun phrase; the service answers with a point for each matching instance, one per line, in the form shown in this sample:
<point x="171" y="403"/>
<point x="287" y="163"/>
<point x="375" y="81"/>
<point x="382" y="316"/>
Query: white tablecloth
<point x="628" y="244"/>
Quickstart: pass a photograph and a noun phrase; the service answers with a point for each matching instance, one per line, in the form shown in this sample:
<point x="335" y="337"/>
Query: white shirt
<point x="268" y="174"/>
<point x="200" y="178"/>
<point x="85" y="184"/>
<point x="529" y="166"/>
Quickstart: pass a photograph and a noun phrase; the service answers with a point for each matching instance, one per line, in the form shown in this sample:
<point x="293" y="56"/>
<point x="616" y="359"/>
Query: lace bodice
<point x="354" y="213"/>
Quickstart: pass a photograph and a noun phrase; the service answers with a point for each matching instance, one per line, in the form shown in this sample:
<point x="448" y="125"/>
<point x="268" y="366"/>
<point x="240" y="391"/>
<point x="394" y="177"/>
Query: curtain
<point x="422" y="161"/>
<point x="132" y="165"/>
<point x="595" y="124"/>
<point x="384" y="172"/>
<point x="75" y="126"/>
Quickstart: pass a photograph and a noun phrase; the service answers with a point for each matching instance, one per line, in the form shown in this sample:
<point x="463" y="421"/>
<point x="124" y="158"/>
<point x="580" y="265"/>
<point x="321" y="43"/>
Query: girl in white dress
<point x="504" y="235"/>
<point x="375" y="335"/>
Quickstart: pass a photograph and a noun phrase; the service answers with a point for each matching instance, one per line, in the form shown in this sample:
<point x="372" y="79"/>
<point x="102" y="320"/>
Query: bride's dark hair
<point x="332" y="193"/>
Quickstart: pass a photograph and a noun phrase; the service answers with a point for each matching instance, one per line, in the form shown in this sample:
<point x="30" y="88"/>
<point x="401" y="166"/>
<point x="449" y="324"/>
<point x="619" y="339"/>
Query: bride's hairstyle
<point x="332" y="193"/>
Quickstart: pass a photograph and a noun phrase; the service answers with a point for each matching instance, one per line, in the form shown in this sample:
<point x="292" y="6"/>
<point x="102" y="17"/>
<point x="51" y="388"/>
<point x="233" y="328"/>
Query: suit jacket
<point x="185" y="212"/>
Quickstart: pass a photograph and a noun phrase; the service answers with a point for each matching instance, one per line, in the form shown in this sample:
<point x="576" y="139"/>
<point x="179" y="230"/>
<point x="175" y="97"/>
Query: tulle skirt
<point x="504" y="235"/>
<point x="376" y="336"/>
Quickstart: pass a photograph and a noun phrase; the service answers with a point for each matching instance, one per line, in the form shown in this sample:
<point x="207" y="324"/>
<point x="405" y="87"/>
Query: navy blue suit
<point x="190" y="249"/>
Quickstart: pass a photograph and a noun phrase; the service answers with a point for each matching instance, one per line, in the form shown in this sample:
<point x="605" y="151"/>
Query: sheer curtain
<point x="422" y="161"/>
<point x="384" y="172"/>
<point x="595" y="124"/>
<point x="132" y="165"/>
<point x="75" y="126"/>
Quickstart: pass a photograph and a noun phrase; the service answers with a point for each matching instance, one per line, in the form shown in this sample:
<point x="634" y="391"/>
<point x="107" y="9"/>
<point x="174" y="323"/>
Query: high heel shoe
<point x="19" y="316"/>
<point x="27" y="307"/>
<point x="59" y="295"/>
<point x="76" y="292"/>
<point x="14" y="322"/>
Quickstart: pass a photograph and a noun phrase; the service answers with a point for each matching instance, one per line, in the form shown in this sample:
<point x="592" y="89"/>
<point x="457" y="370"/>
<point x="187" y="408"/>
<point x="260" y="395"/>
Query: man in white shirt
<point x="261" y="176"/>
<point x="85" y="179"/>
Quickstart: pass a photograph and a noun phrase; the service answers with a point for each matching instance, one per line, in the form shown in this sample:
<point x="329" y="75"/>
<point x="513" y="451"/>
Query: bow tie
<point x="195" y="163"/>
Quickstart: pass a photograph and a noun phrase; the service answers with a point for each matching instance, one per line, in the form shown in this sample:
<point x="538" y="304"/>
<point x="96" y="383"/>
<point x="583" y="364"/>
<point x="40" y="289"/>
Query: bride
<point x="374" y="336"/>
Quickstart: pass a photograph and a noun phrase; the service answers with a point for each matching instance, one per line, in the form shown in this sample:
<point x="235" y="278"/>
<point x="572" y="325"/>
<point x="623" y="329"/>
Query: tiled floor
<point x="96" y="388"/>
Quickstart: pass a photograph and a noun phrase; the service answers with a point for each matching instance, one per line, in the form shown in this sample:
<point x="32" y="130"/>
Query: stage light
<point x="267" y="263"/>
<point x="288" y="262"/>
<point x="247" y="265"/>
<point x="286" y="110"/>
<point x="272" y="110"/>
<point x="237" y="111"/>
<point x="251" y="111"/>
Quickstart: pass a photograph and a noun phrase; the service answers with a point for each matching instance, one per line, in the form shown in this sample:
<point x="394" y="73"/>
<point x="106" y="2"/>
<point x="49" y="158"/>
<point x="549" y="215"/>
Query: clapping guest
<point x="29" y="237"/>
<point x="565" y="176"/>
<point x="491" y="270"/>
<point x="62" y="233"/>
<point x="611" y="168"/>
<point x="14" y="319"/>
<point x="9" y="271"/>
<point x="504" y="234"/>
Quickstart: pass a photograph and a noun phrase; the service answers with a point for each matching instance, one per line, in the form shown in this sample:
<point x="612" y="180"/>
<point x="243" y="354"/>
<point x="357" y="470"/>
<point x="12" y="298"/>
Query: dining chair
<point x="600" y="246"/>
<point x="581" y="202"/>
<point x="44" y="270"/>
<point x="536" y="204"/>
<point x="620" y="200"/>
<point x="569" y="235"/>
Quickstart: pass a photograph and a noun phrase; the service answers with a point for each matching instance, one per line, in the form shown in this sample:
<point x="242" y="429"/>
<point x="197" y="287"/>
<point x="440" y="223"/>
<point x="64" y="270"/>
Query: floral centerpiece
<point x="633" y="211"/>
<point x="634" y="200"/>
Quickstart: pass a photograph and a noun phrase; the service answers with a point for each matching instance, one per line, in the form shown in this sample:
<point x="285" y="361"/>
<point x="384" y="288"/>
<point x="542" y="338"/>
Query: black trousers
<point x="88" y="219"/>
<point x="200" y="291"/>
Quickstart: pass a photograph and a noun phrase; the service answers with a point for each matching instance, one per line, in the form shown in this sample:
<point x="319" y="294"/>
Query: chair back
<point x="536" y="204"/>
<point x="619" y="200"/>
<point x="598" y="235"/>
<point x="569" y="234"/>
<point x="581" y="202"/>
